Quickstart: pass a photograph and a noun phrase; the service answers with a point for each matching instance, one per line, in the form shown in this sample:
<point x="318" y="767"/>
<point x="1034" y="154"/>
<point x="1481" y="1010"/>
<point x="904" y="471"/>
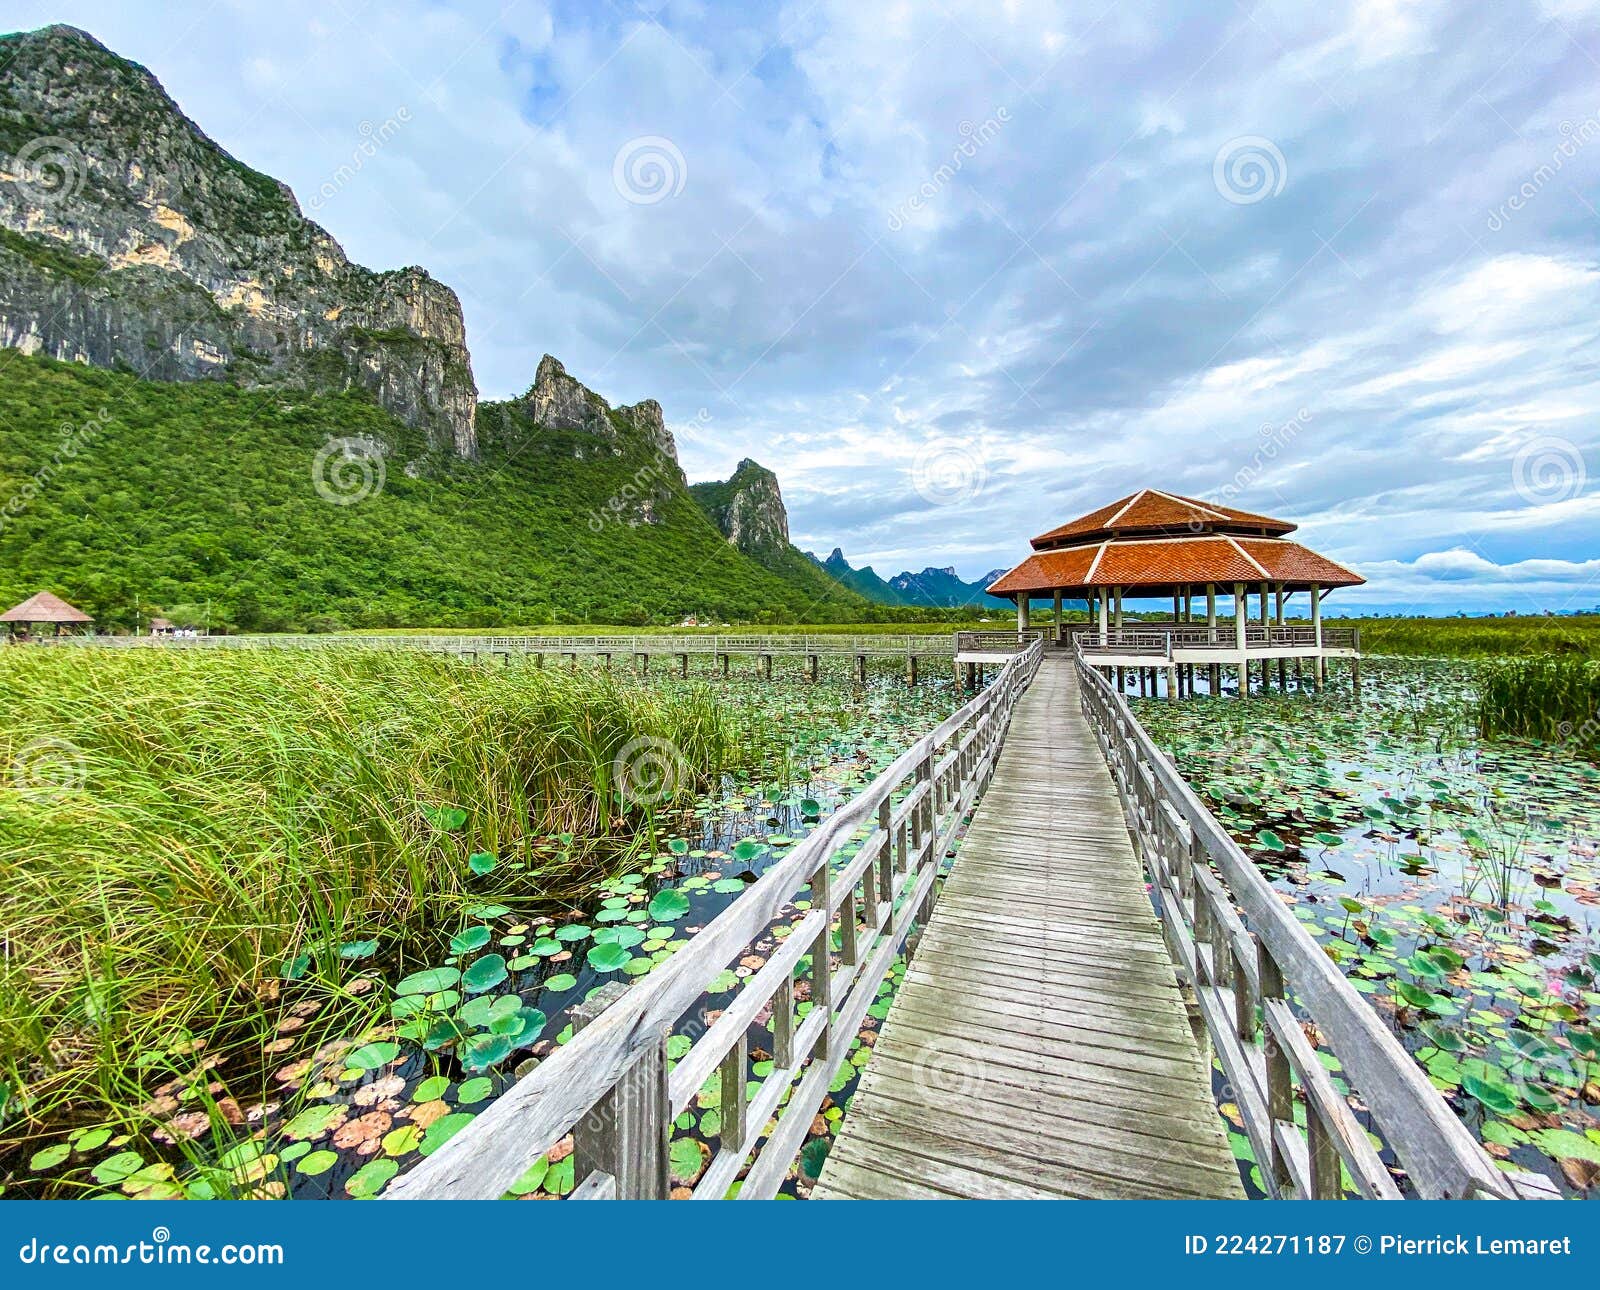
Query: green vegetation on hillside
<point x="132" y="497"/>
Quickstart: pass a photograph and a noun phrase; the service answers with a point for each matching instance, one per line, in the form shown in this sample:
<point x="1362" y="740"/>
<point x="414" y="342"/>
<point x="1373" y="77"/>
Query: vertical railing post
<point x="1280" y="1088"/>
<point x="625" y="1132"/>
<point x="822" y="955"/>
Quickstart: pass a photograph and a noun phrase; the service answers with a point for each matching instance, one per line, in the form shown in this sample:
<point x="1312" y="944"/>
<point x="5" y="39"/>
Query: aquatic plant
<point x="1555" y="698"/>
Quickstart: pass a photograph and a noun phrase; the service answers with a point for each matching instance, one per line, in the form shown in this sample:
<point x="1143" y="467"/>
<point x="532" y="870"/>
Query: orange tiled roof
<point x="1152" y="511"/>
<point x="1156" y="564"/>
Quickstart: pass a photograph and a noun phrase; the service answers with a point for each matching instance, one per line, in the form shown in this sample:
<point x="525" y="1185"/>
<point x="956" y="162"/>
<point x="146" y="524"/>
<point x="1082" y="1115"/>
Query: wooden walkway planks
<point x="1038" y="1046"/>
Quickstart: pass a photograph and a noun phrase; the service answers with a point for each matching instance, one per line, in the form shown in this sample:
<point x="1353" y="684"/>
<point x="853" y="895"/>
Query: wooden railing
<point x="1255" y="973"/>
<point x="900" y="645"/>
<point x="870" y="868"/>
<point x="1001" y="642"/>
<point x="1222" y="637"/>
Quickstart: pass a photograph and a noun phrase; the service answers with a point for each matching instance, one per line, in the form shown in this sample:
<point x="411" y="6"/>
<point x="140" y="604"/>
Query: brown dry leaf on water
<point x="294" y="1072"/>
<point x="681" y="1193"/>
<point x="288" y="1024"/>
<point x="364" y="1133"/>
<point x="561" y="1150"/>
<point x="425" y="1113"/>
<point x="185" y="1127"/>
<point x="282" y="1045"/>
<point x="1582" y="1174"/>
<point x="380" y="1090"/>
<point x="306" y="1008"/>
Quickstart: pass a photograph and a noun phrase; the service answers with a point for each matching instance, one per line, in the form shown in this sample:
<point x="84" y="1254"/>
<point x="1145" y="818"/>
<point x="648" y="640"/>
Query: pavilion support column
<point x="1105" y="595"/>
<point x="1117" y="605"/>
<point x="1320" y="665"/>
<point x="1060" y="634"/>
<point x="1283" y="663"/>
<point x="1022" y="617"/>
<point x="1239" y="609"/>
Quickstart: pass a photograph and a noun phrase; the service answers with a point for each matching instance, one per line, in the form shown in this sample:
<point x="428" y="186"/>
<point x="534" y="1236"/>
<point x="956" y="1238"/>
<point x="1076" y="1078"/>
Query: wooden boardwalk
<point x="1038" y="1046"/>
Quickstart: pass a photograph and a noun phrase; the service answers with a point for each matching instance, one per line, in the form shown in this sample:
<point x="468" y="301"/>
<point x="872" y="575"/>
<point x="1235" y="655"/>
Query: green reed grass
<point x="174" y="826"/>
<point x="1555" y="698"/>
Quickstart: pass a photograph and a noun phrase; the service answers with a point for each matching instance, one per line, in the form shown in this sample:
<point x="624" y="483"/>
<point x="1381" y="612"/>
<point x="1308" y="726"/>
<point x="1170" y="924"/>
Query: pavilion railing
<point x="1222" y="637"/>
<point x="1257" y="976"/>
<point x="869" y="871"/>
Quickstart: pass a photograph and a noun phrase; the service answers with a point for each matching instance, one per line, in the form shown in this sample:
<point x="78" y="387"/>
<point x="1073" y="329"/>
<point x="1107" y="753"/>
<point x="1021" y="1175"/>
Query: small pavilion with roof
<point x="45" y="610"/>
<point x="1155" y="544"/>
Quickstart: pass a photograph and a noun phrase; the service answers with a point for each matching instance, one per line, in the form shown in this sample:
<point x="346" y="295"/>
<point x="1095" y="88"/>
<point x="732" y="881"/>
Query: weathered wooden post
<point x="911" y="669"/>
<point x="683" y="664"/>
<point x="1355" y="662"/>
<point x="766" y="667"/>
<point x="722" y="662"/>
<point x="812" y="666"/>
<point x="625" y="1133"/>
<point x="641" y="662"/>
<point x="861" y="669"/>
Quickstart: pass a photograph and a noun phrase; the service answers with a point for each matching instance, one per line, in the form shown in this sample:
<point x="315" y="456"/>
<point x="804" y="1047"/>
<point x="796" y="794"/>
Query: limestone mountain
<point x="932" y="588"/>
<point x="130" y="240"/>
<point x="748" y="510"/>
<point x="865" y="580"/>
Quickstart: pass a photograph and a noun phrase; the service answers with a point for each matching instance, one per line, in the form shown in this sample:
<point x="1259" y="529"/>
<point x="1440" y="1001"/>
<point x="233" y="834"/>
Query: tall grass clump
<point x="1555" y="698"/>
<point x="175" y="827"/>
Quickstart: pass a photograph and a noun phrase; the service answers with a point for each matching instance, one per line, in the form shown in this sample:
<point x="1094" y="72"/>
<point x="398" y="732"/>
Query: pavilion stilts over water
<point x="1158" y="545"/>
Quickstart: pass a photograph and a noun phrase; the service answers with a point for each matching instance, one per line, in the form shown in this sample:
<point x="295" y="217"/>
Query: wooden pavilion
<point x="1159" y="545"/>
<point x="45" y="610"/>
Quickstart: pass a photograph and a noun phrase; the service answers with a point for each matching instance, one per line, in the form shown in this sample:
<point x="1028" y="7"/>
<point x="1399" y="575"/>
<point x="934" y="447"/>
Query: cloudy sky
<point x="961" y="271"/>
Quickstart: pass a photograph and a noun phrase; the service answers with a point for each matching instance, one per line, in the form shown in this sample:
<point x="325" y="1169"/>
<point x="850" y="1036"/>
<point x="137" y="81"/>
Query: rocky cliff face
<point x="559" y="401"/>
<point x="129" y="239"/>
<point x="748" y="509"/>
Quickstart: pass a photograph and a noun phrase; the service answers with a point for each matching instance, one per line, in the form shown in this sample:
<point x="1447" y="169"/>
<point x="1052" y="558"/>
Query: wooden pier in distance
<point x="1039" y="1045"/>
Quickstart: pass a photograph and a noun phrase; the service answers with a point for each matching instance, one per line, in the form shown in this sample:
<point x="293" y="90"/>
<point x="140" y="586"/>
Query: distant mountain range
<point x="932" y="588"/>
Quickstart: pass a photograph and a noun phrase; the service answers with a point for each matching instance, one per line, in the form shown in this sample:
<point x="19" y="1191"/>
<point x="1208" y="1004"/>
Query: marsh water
<point x="1453" y="879"/>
